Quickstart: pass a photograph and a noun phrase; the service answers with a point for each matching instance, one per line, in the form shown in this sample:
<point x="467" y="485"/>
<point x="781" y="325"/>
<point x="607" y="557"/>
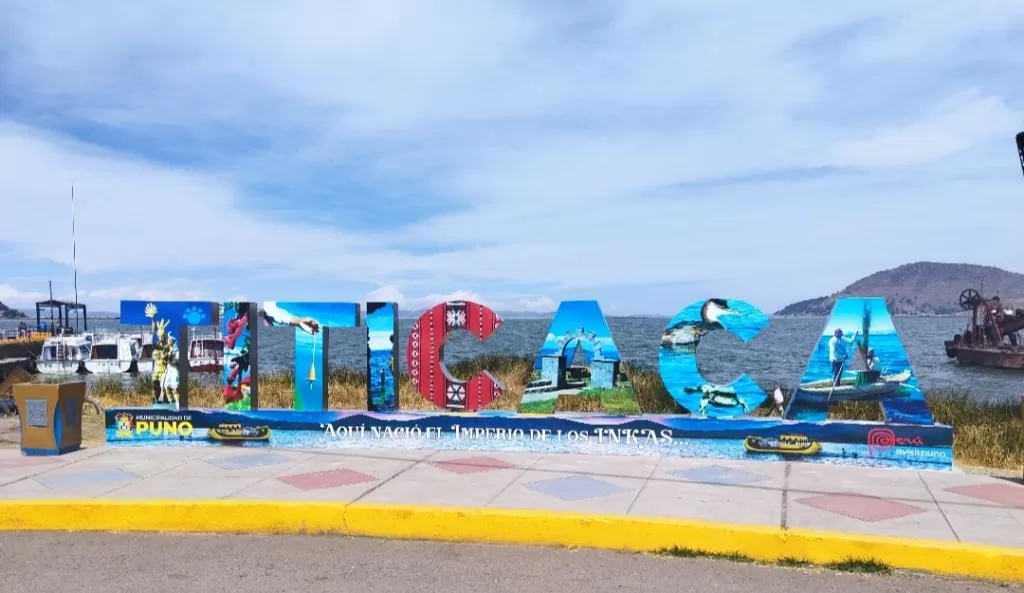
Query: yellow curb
<point x="609" y="532"/>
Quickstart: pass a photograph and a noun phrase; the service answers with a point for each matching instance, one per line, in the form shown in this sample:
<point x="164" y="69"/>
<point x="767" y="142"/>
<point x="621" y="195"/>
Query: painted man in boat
<point x="872" y="361"/>
<point x="839" y="354"/>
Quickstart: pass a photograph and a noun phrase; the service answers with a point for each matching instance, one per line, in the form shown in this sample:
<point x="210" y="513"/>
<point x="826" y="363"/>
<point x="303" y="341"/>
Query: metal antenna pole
<point x="1020" y="150"/>
<point x="74" y="253"/>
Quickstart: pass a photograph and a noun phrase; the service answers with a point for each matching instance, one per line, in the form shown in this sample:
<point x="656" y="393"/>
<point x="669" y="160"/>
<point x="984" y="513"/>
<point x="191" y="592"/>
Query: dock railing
<point x="14" y="336"/>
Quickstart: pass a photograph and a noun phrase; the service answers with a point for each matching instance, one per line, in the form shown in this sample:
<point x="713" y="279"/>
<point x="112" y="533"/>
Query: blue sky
<point x="646" y="154"/>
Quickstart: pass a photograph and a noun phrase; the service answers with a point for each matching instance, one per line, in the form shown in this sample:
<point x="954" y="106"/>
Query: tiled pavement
<point x="932" y="505"/>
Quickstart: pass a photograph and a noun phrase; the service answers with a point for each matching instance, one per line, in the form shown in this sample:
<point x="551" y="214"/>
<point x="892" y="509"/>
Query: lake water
<point x="776" y="357"/>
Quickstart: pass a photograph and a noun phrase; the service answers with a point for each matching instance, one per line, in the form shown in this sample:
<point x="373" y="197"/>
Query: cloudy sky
<point x="644" y="153"/>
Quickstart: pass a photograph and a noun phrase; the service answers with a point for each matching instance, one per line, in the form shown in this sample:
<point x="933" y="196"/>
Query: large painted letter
<point x="579" y="324"/>
<point x="677" y="358"/>
<point x="312" y="323"/>
<point x="382" y="357"/>
<point x="165" y="319"/>
<point x="860" y="358"/>
<point x="425" y="356"/>
<point x="241" y="356"/>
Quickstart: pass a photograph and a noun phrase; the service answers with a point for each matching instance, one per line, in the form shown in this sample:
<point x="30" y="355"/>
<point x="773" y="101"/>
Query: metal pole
<point x="1020" y="150"/>
<point x="74" y="253"/>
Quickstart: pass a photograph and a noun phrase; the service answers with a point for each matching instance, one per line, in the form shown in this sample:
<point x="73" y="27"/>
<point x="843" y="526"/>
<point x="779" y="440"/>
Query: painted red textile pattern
<point x="425" y="353"/>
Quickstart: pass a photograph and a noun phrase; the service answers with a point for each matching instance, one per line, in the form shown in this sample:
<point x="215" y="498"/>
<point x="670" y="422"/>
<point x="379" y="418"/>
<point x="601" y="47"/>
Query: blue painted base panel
<point x="831" y="442"/>
<point x="44" y="452"/>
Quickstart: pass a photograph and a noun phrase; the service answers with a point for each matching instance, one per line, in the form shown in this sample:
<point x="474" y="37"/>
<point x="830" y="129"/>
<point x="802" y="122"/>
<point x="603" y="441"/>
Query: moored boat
<point x="787" y="444"/>
<point x="65" y="350"/>
<point x="117" y="353"/>
<point x="994" y="336"/>
<point x="206" y="352"/>
<point x="65" y="354"/>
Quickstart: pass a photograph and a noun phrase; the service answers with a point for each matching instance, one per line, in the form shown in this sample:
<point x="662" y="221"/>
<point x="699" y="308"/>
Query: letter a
<point x="860" y="357"/>
<point x="556" y="380"/>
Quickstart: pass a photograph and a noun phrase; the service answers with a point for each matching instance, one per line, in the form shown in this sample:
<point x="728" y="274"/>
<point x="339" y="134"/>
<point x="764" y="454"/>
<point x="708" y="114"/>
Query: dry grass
<point x="986" y="434"/>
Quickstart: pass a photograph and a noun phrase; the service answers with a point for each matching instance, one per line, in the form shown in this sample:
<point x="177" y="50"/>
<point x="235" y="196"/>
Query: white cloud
<point x="386" y="294"/>
<point x="136" y="293"/>
<point x="539" y="305"/>
<point x="957" y="125"/>
<point x="132" y="215"/>
<point x="573" y="148"/>
<point x="430" y="300"/>
<point x="393" y="293"/>
<point x="11" y="295"/>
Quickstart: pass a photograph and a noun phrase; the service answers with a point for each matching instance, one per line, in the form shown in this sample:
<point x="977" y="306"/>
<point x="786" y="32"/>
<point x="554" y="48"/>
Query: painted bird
<point x="686" y="334"/>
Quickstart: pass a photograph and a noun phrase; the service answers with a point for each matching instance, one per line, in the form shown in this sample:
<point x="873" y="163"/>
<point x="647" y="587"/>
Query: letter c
<point x="425" y="356"/>
<point x="677" y="358"/>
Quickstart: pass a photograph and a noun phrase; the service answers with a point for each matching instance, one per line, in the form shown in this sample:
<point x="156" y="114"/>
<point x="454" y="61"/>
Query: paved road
<point x="101" y="563"/>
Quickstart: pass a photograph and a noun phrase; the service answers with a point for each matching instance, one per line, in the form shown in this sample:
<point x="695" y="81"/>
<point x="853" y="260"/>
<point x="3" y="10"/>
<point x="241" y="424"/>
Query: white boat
<point x="206" y="352"/>
<point x="65" y="354"/>
<point x="117" y="353"/>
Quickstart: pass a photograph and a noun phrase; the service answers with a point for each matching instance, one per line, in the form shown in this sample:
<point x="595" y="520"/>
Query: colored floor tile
<point x="86" y="478"/>
<point x="249" y="461"/>
<point x="472" y="465"/>
<point x="334" y="478"/>
<point x="22" y="462"/>
<point x="717" y="474"/>
<point x="858" y="506"/>
<point x="1004" y="494"/>
<point x="574" y="488"/>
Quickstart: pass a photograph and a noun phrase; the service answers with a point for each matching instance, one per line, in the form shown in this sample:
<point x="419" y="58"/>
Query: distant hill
<point x="9" y="313"/>
<point x="922" y="288"/>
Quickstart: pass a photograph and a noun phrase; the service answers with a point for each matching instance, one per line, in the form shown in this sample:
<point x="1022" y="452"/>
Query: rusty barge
<point x="993" y="335"/>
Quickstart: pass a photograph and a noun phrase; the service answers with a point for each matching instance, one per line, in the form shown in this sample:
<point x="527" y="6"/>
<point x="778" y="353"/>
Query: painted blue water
<point x="382" y="380"/>
<point x="851" y="315"/>
<point x="908" y="409"/>
<point x="681" y="372"/>
<point x="573" y="317"/>
<point x="831" y="454"/>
